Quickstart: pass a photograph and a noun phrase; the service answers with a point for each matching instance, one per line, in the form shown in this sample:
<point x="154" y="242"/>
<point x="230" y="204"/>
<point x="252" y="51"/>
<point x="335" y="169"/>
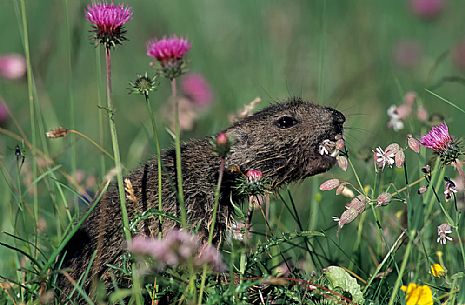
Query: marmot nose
<point x="338" y="118"/>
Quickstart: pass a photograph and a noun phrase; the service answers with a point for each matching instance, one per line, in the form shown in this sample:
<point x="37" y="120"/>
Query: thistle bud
<point x="222" y="144"/>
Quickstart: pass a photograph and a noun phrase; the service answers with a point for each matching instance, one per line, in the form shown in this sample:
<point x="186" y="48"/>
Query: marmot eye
<point x="286" y="122"/>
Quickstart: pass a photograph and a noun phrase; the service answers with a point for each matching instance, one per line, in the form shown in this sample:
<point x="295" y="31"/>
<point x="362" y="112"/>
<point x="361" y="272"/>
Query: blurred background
<point x="358" y="56"/>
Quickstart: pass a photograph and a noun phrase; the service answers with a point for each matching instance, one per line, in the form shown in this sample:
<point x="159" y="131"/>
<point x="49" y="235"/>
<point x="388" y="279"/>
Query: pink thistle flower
<point x="438" y="139"/>
<point x="108" y="21"/>
<point x="427" y="9"/>
<point x="168" y="48"/>
<point x="169" y="51"/>
<point x="197" y="89"/>
<point x="12" y="66"/>
<point x="253" y="175"/>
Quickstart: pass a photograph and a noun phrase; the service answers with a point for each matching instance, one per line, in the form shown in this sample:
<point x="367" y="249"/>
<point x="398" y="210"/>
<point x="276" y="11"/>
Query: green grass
<point x="338" y="53"/>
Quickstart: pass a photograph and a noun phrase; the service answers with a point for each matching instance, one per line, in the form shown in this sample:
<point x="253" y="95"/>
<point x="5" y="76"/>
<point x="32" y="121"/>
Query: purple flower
<point x="427" y="9"/>
<point x="438" y="139"/>
<point x="108" y="20"/>
<point x="4" y="114"/>
<point x="178" y="248"/>
<point x="209" y="256"/>
<point x="168" y="48"/>
<point x="169" y="51"/>
<point x="12" y="66"/>
<point x="197" y="89"/>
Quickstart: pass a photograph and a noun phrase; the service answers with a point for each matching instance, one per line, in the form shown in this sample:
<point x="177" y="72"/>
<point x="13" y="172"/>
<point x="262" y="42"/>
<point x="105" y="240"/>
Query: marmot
<point x="282" y="141"/>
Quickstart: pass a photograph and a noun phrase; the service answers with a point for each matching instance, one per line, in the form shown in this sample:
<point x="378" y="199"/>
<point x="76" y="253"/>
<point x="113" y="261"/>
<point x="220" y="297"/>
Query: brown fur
<point x="284" y="155"/>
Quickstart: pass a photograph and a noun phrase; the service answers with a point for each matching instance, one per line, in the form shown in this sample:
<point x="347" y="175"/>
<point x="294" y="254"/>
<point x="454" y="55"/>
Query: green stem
<point x="212" y="225"/>
<point x="402" y="268"/>
<point x="93" y="143"/>
<point x="70" y="85"/>
<point x="177" y="140"/>
<point x="114" y="138"/>
<point x="100" y="113"/>
<point x="158" y="152"/>
<point x="30" y="94"/>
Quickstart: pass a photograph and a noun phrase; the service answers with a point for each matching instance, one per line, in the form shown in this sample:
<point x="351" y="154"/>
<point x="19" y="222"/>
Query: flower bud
<point x="383" y="199"/>
<point x="59" y="132"/>
<point x="222" y="144"/>
<point x="413" y="143"/>
<point x="342" y="162"/>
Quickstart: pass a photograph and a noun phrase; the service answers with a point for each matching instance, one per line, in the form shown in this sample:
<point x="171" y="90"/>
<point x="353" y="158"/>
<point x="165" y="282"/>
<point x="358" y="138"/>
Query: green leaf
<point x="340" y="278"/>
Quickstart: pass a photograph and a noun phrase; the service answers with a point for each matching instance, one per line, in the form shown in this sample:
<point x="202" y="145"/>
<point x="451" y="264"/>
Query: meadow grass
<point x="346" y="55"/>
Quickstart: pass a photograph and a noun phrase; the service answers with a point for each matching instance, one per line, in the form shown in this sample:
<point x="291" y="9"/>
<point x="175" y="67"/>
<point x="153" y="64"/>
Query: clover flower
<point x="417" y="294"/>
<point x="443" y="230"/>
<point x="169" y="51"/>
<point x="178" y="248"/>
<point x="441" y="143"/>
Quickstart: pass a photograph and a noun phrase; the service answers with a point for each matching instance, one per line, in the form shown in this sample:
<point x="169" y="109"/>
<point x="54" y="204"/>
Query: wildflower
<point x="395" y="121"/>
<point x="209" y="256"/>
<point x="413" y="143"/>
<point x="383" y="199"/>
<point x="407" y="54"/>
<point x="353" y="210"/>
<point x="443" y="230"/>
<point x="253" y="175"/>
<point x="417" y="294"/>
<point x="144" y="84"/>
<point x="169" y="51"/>
<point x="176" y="249"/>
<point x="383" y="158"/>
<point x="399" y="158"/>
<point x="422" y="189"/>
<point x="4" y="114"/>
<point x="449" y="188"/>
<point x="442" y="144"/>
<point x="328" y="147"/>
<point x="57" y="133"/>
<point x="427" y="9"/>
<point x="12" y="66"/>
<point x="108" y="21"/>
<point x="329" y="185"/>
<point x="197" y="89"/>
<point x="222" y="144"/>
<point x="422" y="113"/>
<point x="342" y="162"/>
<point x="344" y="190"/>
<point x="438" y="270"/>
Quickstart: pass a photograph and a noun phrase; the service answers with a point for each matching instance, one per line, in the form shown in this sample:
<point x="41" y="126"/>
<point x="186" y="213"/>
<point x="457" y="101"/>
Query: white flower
<point x="383" y="158"/>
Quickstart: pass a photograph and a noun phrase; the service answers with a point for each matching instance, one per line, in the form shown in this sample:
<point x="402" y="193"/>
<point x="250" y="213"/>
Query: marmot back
<point x="282" y="141"/>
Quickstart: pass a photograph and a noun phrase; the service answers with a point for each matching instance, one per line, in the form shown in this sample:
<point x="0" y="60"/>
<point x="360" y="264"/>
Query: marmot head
<point x="283" y="140"/>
